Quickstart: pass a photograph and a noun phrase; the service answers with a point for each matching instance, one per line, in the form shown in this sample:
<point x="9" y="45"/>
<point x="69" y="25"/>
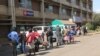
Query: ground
<point x="84" y="46"/>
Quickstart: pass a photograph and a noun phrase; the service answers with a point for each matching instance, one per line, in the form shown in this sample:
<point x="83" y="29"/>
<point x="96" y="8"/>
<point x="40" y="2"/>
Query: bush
<point x="98" y="28"/>
<point x="91" y="26"/>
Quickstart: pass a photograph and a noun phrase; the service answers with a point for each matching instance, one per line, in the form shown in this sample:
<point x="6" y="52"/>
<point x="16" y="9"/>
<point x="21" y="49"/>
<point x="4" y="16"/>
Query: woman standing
<point x="44" y="36"/>
<point x="30" y="42"/>
<point x="37" y="40"/>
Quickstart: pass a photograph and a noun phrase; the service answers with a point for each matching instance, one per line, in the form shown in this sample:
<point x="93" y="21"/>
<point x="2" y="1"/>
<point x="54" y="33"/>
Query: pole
<point x="60" y="11"/>
<point x="13" y="17"/>
<point x="42" y="11"/>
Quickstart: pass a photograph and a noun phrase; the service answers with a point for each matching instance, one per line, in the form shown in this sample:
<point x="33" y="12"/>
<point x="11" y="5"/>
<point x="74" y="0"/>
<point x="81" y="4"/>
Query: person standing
<point x="22" y="40"/>
<point x="65" y="39"/>
<point x="84" y="30"/>
<point x="58" y="34"/>
<point x="38" y="40"/>
<point x="14" y="39"/>
<point x="71" y="34"/>
<point x="50" y="35"/>
<point x="30" y="40"/>
<point x="44" y="37"/>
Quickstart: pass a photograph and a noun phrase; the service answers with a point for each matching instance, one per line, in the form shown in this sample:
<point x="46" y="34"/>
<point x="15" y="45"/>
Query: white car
<point x="40" y="29"/>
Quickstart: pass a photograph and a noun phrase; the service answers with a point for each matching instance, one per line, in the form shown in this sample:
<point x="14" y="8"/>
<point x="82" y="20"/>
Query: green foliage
<point x="96" y="19"/>
<point x="96" y="22"/>
<point x="91" y="26"/>
<point x="98" y="28"/>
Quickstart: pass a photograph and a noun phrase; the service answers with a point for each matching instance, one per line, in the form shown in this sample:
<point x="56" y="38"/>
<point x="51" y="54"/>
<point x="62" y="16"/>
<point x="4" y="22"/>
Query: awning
<point x="62" y="22"/>
<point x="57" y="22"/>
<point x="54" y="23"/>
<point x="67" y="22"/>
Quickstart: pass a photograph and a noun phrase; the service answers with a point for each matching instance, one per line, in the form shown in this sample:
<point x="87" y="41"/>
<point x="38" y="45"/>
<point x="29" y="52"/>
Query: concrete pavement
<point x="84" y="46"/>
<point x="83" y="43"/>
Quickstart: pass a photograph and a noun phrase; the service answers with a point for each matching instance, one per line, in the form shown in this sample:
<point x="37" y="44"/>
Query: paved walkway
<point x="84" y="46"/>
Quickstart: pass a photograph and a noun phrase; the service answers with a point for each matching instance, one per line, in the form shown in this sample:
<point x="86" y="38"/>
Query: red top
<point x="32" y="36"/>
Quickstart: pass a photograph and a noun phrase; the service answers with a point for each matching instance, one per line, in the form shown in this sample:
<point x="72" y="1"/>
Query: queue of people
<point x="29" y="42"/>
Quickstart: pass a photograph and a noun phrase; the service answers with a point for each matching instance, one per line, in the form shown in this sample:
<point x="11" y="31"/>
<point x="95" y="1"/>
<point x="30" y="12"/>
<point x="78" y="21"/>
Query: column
<point x="11" y="4"/>
<point x="81" y="10"/>
<point x="60" y="10"/>
<point x="42" y="13"/>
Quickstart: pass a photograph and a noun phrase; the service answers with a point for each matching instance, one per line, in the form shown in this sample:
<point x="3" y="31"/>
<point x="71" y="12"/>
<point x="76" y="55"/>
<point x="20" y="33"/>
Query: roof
<point x="67" y="22"/>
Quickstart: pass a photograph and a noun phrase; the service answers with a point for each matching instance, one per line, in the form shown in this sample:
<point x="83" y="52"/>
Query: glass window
<point x="26" y="4"/>
<point x="54" y="28"/>
<point x="38" y="28"/>
<point x="64" y="11"/>
<point x="29" y="4"/>
<point x="22" y="3"/>
<point x="50" y="8"/>
<point x="68" y="1"/>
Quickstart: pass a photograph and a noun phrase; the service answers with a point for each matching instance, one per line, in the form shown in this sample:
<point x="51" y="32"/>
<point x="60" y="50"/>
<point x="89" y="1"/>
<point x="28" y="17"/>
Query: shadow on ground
<point x="42" y="53"/>
<point x="5" y="50"/>
<point x="76" y="42"/>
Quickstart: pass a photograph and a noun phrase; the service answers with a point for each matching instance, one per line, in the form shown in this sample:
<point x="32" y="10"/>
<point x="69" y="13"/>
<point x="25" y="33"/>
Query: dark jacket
<point x="49" y="33"/>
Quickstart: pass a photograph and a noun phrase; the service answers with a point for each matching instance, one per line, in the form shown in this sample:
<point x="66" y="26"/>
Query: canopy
<point x="57" y="22"/>
<point x="62" y="23"/>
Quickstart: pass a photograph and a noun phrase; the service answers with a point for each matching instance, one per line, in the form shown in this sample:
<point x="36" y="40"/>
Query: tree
<point x="96" y="19"/>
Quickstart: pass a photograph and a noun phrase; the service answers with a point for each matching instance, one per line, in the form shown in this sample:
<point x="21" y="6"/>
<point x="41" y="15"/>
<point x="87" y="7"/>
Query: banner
<point x="28" y="13"/>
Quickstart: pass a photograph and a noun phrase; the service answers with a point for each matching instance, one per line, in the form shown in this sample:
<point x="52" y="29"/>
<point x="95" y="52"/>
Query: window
<point x="21" y="3"/>
<point x="64" y="11"/>
<point x="84" y="5"/>
<point x="69" y="12"/>
<point x="90" y="7"/>
<point x="50" y="8"/>
<point x="73" y="1"/>
<point x="54" y="28"/>
<point x="84" y="14"/>
<point x="68" y="1"/>
<point x="90" y="16"/>
<point x="25" y="4"/>
<point x="38" y="28"/>
<point x="77" y="2"/>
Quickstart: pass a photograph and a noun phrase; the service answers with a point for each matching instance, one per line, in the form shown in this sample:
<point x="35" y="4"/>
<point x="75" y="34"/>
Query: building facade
<point x="30" y="13"/>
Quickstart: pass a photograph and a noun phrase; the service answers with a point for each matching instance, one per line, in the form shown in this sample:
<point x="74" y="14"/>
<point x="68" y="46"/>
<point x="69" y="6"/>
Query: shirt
<point x="32" y="36"/>
<point x="72" y="32"/>
<point x="13" y="36"/>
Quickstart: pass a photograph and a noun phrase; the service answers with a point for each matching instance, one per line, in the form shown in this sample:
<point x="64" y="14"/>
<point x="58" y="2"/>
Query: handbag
<point x="45" y="43"/>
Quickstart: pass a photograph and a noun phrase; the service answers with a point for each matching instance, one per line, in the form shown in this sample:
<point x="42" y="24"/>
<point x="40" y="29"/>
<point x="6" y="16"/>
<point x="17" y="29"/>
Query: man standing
<point x="58" y="34"/>
<point x="50" y="35"/>
<point x="14" y="38"/>
<point x="22" y="40"/>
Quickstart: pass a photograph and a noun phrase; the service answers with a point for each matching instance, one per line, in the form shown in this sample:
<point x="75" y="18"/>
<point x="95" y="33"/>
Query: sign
<point x="28" y="13"/>
<point x="77" y="19"/>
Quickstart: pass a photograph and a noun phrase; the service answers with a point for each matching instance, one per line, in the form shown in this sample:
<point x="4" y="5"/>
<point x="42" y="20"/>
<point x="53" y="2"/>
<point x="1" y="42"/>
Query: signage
<point x="77" y="19"/>
<point x="28" y="13"/>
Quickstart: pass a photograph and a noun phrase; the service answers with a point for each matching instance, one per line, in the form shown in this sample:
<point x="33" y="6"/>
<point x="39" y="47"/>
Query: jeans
<point x="14" y="48"/>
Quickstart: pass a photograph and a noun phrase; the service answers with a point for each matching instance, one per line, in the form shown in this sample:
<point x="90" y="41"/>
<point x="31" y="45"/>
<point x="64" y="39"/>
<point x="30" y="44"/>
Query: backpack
<point x="13" y="36"/>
